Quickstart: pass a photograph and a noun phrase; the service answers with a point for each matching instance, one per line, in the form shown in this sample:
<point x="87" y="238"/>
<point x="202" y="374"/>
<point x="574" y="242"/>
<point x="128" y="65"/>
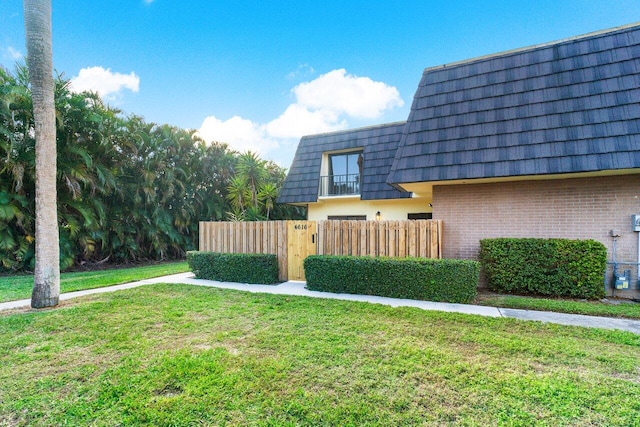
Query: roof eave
<point x="420" y="186"/>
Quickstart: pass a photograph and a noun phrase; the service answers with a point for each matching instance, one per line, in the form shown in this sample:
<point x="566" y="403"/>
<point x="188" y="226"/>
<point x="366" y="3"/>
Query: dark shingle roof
<point x="379" y="144"/>
<point x="565" y="107"/>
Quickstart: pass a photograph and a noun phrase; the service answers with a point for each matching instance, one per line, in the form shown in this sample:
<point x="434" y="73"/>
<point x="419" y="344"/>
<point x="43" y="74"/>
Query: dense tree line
<point x="128" y="190"/>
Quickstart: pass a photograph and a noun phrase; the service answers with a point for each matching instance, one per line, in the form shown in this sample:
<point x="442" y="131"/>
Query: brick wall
<point x="580" y="208"/>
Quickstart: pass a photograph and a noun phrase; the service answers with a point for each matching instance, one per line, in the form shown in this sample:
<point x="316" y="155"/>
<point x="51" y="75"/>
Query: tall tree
<point x="37" y="22"/>
<point x="252" y="169"/>
<point x="268" y="194"/>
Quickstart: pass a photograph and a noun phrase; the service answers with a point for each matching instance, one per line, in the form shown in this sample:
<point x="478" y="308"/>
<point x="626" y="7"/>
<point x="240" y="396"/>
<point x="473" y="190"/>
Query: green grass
<point x="169" y="355"/>
<point x="621" y="308"/>
<point x="19" y="287"/>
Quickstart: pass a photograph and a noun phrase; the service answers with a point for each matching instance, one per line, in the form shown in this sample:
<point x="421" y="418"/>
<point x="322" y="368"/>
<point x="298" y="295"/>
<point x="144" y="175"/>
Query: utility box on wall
<point x="622" y="281"/>
<point x="635" y="219"/>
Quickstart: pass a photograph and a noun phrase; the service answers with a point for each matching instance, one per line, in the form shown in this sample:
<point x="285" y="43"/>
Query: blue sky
<point x="259" y="74"/>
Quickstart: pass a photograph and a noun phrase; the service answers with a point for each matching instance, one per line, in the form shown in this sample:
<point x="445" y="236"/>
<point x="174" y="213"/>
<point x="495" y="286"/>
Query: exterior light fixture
<point x="378" y="216"/>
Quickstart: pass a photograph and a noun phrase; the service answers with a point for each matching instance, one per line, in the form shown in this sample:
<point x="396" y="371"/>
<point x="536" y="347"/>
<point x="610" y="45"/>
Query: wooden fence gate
<point x="301" y="242"/>
<point x="293" y="241"/>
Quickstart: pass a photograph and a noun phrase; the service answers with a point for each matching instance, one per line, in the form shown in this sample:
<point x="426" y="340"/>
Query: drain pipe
<point x="635" y="219"/>
<point x="614" y="235"/>
<point x="638" y="264"/>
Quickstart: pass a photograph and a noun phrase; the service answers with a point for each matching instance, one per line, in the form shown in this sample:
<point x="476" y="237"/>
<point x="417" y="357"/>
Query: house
<point x="342" y="175"/>
<point x="542" y="141"/>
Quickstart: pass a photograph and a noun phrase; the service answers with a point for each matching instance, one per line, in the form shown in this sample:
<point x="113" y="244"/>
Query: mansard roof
<point x="379" y="144"/>
<point x="571" y="106"/>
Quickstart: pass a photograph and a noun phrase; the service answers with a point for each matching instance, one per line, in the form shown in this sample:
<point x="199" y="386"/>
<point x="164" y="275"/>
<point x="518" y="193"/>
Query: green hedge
<point x="415" y="278"/>
<point x="550" y="267"/>
<point x="241" y="268"/>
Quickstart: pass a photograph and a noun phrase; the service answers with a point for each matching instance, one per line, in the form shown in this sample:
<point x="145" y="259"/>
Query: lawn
<point x="615" y="308"/>
<point x="186" y="355"/>
<point x="19" y="286"/>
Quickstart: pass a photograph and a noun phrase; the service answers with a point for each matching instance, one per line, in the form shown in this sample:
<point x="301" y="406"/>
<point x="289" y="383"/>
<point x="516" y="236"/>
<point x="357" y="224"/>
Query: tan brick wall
<point x="580" y="208"/>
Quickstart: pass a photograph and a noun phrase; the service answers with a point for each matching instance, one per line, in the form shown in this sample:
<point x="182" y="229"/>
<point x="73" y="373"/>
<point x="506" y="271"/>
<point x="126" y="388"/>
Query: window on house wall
<point x="424" y="215"/>
<point x="347" y="217"/>
<point x="345" y="175"/>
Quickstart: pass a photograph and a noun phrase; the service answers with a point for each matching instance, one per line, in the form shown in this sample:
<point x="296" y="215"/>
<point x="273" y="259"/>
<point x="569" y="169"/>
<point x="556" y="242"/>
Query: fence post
<point x="412" y="239"/>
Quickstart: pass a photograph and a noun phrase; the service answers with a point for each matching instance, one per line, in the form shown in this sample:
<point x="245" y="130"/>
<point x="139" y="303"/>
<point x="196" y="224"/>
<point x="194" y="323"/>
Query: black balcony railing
<point x="340" y="185"/>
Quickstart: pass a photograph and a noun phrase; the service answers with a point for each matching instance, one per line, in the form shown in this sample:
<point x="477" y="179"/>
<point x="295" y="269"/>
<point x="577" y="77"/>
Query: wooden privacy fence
<point x="259" y="237"/>
<point x="412" y="238"/>
<point x="292" y="241"/>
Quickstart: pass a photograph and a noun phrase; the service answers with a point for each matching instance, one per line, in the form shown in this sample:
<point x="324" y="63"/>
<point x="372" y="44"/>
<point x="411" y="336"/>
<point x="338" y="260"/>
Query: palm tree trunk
<point x="37" y="22"/>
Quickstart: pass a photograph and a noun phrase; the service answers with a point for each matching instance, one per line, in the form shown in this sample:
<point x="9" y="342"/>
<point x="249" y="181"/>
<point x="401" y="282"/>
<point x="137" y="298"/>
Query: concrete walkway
<point x="298" y="288"/>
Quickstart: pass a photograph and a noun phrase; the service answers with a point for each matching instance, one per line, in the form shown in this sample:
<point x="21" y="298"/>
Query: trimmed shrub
<point x="549" y="267"/>
<point x="415" y="278"/>
<point x="240" y="268"/>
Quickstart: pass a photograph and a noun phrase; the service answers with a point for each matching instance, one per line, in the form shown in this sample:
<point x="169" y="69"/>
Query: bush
<point x="241" y="268"/>
<point x="550" y="267"/>
<point x="415" y="278"/>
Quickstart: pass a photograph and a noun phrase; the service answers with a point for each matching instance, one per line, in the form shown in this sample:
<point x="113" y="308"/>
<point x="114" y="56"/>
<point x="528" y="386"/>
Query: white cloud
<point x="105" y="82"/>
<point x="322" y="105"/>
<point x="240" y="134"/>
<point x="302" y="70"/>
<point x="358" y="97"/>
<point x="9" y="56"/>
<point x="297" y="120"/>
<point x="13" y="53"/>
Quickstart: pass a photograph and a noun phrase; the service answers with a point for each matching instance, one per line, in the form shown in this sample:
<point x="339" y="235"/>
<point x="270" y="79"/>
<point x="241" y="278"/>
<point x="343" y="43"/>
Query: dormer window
<point x="344" y="174"/>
